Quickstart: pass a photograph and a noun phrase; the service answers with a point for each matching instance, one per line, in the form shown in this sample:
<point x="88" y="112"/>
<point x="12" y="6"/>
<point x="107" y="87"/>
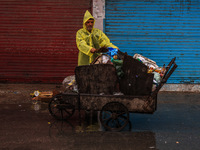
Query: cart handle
<point x="169" y="66"/>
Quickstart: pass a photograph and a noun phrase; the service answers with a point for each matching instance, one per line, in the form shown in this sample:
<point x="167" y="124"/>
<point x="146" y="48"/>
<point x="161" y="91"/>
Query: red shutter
<point x="38" y="39"/>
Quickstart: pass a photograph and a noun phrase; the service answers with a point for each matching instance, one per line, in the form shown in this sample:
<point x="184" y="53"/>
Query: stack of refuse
<point x="113" y="56"/>
<point x="152" y="68"/>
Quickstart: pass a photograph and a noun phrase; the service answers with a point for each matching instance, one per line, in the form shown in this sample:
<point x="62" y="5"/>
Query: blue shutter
<point x="159" y="30"/>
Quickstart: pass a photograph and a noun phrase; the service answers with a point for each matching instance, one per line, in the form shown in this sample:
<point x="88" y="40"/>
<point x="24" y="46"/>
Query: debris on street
<point x="43" y="96"/>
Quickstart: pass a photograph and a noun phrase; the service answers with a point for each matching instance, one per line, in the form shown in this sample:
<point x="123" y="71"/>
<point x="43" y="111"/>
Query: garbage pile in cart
<point x="115" y="57"/>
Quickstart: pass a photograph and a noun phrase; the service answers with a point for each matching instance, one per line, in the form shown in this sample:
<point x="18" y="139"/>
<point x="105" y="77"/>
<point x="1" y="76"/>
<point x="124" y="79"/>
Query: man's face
<point x="89" y="24"/>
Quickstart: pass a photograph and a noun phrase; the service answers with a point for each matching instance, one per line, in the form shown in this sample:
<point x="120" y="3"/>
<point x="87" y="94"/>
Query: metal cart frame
<point x="114" y="109"/>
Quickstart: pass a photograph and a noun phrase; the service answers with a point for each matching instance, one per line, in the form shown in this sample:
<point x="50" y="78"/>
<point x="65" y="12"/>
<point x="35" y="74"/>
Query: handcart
<point x="99" y="88"/>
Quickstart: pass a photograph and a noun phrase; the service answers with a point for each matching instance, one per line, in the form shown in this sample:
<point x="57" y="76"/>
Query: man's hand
<point x="93" y="50"/>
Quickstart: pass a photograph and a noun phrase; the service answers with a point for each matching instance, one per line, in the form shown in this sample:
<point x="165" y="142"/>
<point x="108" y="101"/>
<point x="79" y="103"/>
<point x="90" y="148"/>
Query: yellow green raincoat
<point x="86" y="41"/>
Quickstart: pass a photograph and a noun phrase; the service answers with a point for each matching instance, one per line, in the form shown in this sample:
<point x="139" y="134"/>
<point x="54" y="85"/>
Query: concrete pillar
<point x="99" y="13"/>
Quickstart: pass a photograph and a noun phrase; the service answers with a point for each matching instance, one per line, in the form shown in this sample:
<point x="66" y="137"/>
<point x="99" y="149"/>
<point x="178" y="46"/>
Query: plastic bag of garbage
<point x="118" y="65"/>
<point x="156" y="78"/>
<point x="102" y="59"/>
<point x="112" y="52"/>
<point x="148" y="62"/>
<point x="69" y="84"/>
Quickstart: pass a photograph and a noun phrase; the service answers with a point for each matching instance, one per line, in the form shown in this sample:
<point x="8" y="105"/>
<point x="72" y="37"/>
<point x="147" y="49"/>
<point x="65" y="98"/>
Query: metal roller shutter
<point x="38" y="39"/>
<point x="159" y="30"/>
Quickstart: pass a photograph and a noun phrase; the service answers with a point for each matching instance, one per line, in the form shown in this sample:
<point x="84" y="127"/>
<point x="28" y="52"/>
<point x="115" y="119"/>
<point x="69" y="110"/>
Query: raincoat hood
<point x="86" y="17"/>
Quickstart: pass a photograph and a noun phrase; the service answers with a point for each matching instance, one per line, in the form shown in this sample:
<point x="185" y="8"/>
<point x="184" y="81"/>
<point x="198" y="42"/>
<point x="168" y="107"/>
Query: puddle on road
<point x="92" y="137"/>
<point x="39" y="106"/>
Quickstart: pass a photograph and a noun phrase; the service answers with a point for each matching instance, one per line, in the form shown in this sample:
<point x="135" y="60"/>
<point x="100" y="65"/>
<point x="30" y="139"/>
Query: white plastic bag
<point x="148" y="62"/>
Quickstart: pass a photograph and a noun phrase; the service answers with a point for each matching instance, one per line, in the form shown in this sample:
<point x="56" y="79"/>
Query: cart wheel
<point x="114" y="116"/>
<point x="60" y="109"/>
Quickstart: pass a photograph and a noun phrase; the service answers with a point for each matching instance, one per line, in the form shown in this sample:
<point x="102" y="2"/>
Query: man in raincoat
<point x="89" y="39"/>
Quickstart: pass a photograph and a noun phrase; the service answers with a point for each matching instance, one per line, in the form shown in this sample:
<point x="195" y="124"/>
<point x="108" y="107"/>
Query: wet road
<point x="175" y="126"/>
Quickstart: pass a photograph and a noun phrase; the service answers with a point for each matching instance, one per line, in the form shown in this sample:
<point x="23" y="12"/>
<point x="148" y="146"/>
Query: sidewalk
<point x="20" y="93"/>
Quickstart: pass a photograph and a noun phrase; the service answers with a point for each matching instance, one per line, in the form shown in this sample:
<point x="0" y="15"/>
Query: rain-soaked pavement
<point x="174" y="126"/>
